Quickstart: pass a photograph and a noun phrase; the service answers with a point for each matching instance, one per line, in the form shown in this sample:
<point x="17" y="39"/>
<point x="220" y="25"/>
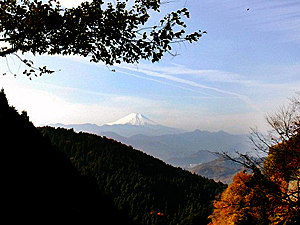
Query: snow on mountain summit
<point x="134" y="119"/>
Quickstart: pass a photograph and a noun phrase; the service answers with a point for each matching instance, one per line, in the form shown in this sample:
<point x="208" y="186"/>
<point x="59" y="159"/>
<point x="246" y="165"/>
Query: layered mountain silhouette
<point x="175" y="146"/>
<point x="132" y="124"/>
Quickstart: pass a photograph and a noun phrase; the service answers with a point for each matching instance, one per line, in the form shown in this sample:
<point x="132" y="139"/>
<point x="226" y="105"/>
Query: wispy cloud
<point x="163" y="82"/>
<point x="210" y="75"/>
<point x="153" y="73"/>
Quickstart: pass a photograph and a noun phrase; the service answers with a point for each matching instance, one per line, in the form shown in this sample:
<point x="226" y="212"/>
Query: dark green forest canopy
<point x="111" y="33"/>
<point x="145" y="188"/>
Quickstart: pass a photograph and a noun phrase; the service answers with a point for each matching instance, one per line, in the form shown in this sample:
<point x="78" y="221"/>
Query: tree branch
<point x="8" y="51"/>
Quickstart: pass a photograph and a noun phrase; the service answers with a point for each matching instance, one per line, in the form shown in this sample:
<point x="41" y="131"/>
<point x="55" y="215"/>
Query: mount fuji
<point x="134" y="119"/>
<point x="130" y="125"/>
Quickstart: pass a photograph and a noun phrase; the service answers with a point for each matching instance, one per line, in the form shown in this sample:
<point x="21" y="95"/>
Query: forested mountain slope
<point x="145" y="188"/>
<point x="39" y="183"/>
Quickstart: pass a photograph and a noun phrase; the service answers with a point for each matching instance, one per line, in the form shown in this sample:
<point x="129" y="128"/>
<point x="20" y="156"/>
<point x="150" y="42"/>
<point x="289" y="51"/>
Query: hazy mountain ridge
<point x="186" y="144"/>
<point x="220" y="169"/>
<point x="125" y="130"/>
<point x="199" y="157"/>
<point x="183" y="149"/>
<point x="171" y="145"/>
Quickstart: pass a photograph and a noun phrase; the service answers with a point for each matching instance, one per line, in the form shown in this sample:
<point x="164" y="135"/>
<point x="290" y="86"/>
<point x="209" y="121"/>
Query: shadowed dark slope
<point x="39" y="183"/>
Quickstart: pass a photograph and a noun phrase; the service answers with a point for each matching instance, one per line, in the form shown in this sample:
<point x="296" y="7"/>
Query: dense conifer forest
<point x="145" y="188"/>
<point x="89" y="178"/>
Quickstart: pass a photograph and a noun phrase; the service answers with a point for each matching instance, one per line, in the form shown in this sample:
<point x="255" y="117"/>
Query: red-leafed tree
<point x="243" y="202"/>
<point x="271" y="193"/>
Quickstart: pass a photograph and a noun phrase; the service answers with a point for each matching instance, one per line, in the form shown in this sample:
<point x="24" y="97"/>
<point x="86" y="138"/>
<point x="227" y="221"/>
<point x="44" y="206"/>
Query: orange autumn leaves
<point x="240" y="203"/>
<point x="270" y="195"/>
<point x="283" y="167"/>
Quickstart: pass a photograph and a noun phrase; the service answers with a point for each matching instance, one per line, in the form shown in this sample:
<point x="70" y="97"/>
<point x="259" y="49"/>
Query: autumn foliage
<point x="241" y="203"/>
<point x="258" y="199"/>
<point x="271" y="193"/>
<point x="283" y="168"/>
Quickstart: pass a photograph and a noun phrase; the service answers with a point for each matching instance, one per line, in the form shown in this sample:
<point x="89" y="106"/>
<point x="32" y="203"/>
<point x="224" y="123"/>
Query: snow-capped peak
<point x="134" y="119"/>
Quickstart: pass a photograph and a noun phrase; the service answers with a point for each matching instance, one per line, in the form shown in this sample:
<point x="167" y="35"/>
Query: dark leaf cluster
<point x="111" y="33"/>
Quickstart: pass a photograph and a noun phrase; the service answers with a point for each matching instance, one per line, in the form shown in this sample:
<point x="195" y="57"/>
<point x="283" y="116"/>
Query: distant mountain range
<point x="192" y="160"/>
<point x="173" y="145"/>
<point x="132" y="124"/>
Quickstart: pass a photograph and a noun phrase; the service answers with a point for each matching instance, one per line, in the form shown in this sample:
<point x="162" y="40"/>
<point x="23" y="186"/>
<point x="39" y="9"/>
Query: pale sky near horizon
<point x="245" y="67"/>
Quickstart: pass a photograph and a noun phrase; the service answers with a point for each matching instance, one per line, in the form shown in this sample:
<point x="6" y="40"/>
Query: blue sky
<point x="246" y="66"/>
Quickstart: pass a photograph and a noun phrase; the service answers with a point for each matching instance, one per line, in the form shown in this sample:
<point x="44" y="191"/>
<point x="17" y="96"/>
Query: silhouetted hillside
<point x="39" y="183"/>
